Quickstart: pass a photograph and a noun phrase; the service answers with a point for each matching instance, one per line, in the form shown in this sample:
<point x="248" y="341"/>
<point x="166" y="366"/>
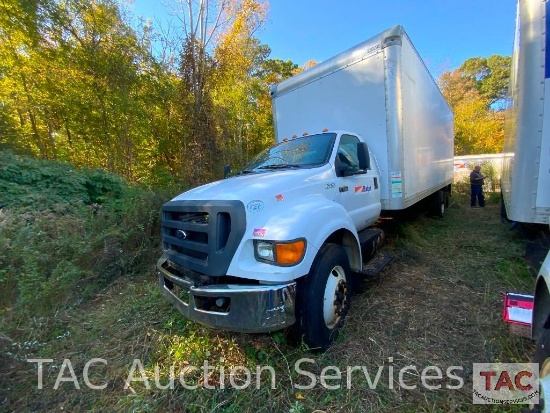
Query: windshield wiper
<point x="279" y="166"/>
<point x="246" y="171"/>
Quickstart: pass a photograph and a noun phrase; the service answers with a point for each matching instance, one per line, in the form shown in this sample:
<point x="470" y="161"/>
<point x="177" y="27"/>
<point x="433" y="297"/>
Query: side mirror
<point x="363" y="155"/>
<point x="226" y="171"/>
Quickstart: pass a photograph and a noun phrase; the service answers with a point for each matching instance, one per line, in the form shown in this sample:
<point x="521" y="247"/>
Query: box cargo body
<point x="525" y="178"/>
<point x="381" y="90"/>
<point x="526" y="164"/>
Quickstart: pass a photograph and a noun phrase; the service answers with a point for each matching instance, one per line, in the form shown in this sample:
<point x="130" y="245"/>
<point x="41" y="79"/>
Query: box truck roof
<point x="388" y="37"/>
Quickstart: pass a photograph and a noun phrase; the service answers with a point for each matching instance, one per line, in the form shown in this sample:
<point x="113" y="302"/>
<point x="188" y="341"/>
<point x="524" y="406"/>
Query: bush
<point x="33" y="185"/>
<point x="66" y="233"/>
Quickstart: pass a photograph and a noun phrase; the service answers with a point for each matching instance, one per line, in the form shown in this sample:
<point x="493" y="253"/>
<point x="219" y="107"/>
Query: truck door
<point x="358" y="192"/>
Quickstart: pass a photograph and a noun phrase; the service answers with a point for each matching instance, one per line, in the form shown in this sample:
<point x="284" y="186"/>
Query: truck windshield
<point x="306" y="152"/>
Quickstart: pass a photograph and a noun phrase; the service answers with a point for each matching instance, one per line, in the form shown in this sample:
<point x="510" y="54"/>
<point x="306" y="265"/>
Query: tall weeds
<point x="65" y="233"/>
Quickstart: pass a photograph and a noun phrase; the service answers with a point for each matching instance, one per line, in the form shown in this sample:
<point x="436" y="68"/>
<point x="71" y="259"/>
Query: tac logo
<point x="505" y="383"/>
<point x="362" y="188"/>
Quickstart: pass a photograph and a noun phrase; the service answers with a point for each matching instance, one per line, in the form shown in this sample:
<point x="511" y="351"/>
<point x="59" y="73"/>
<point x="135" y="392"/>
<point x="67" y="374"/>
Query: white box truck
<point x="281" y="243"/>
<point x="525" y="179"/>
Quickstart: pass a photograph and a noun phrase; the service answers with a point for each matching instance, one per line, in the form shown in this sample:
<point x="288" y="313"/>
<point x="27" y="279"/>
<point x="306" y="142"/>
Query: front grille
<point x="202" y="235"/>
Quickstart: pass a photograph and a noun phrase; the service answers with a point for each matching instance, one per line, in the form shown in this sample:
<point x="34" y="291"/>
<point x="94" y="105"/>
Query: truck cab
<point x="235" y="250"/>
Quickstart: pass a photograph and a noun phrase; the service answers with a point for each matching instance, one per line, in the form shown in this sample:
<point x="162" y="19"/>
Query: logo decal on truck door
<point x="362" y="189"/>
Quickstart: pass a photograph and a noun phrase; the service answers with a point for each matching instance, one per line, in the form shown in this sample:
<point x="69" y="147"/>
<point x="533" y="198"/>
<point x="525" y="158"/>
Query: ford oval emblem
<point x="255" y="206"/>
<point x="181" y="234"/>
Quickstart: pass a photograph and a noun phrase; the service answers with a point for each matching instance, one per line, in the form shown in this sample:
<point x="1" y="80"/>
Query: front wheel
<point x="542" y="354"/>
<point x="324" y="298"/>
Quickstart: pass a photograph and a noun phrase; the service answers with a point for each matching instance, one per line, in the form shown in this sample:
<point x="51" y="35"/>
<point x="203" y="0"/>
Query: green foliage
<point x="492" y="180"/>
<point x="490" y="75"/>
<point x="65" y="233"/>
<point x="33" y="185"/>
<point x="79" y="82"/>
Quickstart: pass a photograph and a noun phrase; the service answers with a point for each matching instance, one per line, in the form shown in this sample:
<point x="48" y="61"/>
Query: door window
<point x="347" y="152"/>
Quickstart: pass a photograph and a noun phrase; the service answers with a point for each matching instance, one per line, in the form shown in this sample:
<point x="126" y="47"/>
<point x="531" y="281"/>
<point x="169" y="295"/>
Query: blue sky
<point x="445" y="32"/>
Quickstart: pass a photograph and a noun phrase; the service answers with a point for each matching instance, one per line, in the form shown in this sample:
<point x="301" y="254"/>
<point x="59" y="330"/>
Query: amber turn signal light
<point x="290" y="253"/>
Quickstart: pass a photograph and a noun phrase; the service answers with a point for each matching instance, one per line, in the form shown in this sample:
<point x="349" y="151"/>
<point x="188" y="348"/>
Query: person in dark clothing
<point x="476" y="187"/>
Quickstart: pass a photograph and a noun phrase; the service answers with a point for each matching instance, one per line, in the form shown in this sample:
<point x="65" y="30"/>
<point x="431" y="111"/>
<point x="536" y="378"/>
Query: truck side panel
<point x="526" y="163"/>
<point x="427" y="128"/>
<point x="543" y="192"/>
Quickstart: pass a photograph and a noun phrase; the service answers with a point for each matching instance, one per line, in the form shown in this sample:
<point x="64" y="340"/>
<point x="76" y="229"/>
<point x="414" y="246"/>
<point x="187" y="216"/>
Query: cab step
<point x="371" y="240"/>
<point x="377" y="264"/>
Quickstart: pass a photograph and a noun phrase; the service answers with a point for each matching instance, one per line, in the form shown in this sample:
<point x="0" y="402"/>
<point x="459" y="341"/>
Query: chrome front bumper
<point x="245" y="308"/>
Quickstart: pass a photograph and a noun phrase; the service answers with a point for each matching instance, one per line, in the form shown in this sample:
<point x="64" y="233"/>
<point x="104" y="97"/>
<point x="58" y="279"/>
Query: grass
<point x="439" y="303"/>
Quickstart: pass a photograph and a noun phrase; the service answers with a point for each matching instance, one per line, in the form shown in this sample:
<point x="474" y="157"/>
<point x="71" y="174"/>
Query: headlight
<point x="264" y="251"/>
<point x="280" y="252"/>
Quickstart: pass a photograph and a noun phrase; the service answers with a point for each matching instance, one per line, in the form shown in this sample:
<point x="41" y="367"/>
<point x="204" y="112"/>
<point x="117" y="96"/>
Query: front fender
<point x="314" y="218"/>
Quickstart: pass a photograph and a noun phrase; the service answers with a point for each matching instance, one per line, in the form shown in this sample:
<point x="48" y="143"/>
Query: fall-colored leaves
<point x="476" y="93"/>
<point x="82" y="82"/>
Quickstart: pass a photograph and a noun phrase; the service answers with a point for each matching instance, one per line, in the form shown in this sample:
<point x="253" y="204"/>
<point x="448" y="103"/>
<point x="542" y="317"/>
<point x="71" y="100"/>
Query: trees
<point x="476" y="93"/>
<point x="215" y="68"/>
<point x="224" y="77"/>
<point x="490" y="76"/>
<point x="19" y="74"/>
<point x="79" y="84"/>
<point x="72" y="83"/>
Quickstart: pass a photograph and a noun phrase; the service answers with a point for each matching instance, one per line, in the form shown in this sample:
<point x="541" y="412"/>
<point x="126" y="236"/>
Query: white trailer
<point x="526" y="162"/>
<point x="525" y="179"/>
<point x="381" y="90"/>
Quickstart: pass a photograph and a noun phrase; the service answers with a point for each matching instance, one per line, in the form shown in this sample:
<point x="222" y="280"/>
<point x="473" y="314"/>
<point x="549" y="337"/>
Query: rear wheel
<point x="439" y="203"/>
<point x="324" y="298"/>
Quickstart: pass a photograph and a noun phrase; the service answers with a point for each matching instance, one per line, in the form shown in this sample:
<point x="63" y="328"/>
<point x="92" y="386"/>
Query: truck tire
<point x="324" y="298"/>
<point x="542" y="353"/>
<point x="542" y="356"/>
<point x="439" y="204"/>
